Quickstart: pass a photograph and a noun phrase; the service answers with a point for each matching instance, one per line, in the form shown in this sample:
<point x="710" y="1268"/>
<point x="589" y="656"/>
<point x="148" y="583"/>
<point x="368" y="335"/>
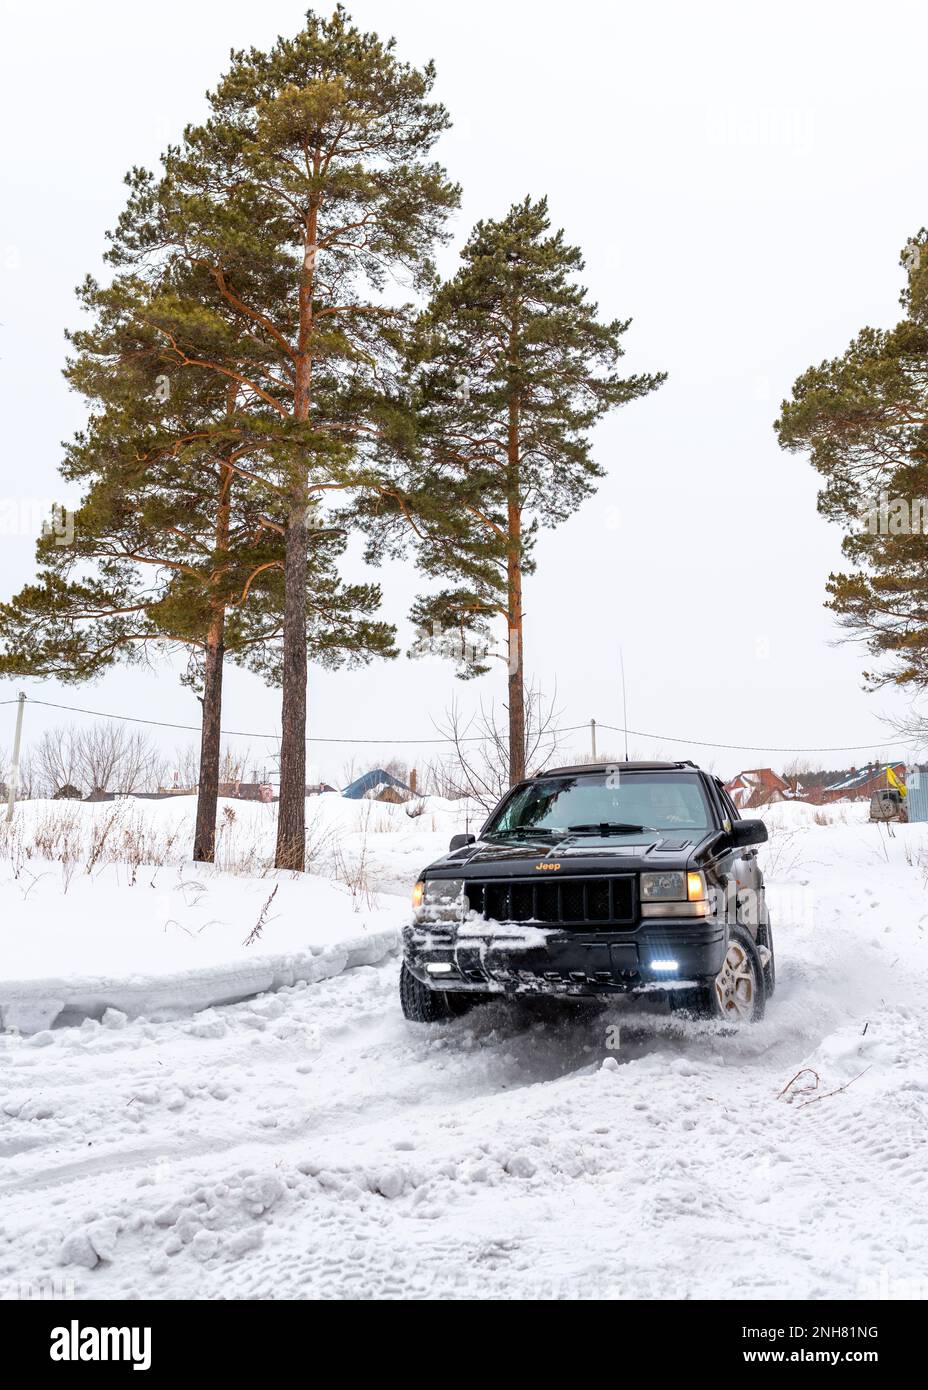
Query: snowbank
<point x="100" y="909"/>
<point x="175" y="939"/>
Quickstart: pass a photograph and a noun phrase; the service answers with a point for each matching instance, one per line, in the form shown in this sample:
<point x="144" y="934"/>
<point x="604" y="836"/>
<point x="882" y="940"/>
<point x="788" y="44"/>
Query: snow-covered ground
<point x="310" y="1142"/>
<point x="99" y="906"/>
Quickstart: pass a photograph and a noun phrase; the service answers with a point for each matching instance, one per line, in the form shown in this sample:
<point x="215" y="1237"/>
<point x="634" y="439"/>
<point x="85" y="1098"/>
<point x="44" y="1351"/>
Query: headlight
<point x="674" y="895"/>
<point x="439" y="900"/>
<point x="695" y="887"/>
<point x="668" y="887"/>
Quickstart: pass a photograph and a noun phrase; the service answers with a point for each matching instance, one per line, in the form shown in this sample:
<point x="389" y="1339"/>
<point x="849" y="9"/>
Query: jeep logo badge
<point x="546" y="866"/>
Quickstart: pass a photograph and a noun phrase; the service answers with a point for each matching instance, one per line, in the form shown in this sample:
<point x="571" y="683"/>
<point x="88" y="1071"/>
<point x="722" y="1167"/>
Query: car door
<point x="746" y="872"/>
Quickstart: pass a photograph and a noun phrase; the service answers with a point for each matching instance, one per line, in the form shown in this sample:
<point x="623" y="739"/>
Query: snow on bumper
<point x="518" y="959"/>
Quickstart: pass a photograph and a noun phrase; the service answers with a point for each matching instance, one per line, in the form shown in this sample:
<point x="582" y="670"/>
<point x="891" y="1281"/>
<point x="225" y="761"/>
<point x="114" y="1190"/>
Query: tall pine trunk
<point x="514" y="601"/>
<point x="291" y="815"/>
<point x="204" y="836"/>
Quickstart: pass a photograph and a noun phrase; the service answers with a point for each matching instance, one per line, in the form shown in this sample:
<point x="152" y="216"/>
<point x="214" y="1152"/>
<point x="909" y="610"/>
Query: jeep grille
<point x="568" y="902"/>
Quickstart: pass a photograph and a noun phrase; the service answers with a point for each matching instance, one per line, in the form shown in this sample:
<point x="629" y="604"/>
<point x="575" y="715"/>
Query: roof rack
<point x="642" y="766"/>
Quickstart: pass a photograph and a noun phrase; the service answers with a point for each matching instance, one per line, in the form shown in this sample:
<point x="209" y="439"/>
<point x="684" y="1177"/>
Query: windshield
<point x="609" y="803"/>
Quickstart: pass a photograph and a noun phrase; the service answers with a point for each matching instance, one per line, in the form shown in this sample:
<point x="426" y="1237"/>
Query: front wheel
<point x="738" y="993"/>
<point x="423" y="1005"/>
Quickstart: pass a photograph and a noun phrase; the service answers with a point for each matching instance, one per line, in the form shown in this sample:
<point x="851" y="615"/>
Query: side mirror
<point x="461" y="841"/>
<point x="748" y="832"/>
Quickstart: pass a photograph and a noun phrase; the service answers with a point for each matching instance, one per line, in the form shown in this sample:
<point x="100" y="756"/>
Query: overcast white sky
<point x="741" y="180"/>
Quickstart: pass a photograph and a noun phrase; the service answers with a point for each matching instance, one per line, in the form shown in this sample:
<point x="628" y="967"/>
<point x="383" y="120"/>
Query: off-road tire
<point x="738" y="993"/>
<point x="421" y="1004"/>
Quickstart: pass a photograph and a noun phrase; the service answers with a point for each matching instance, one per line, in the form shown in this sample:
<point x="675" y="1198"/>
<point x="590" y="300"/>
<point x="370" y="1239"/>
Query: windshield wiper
<point x="609" y="827"/>
<point x="523" y="832"/>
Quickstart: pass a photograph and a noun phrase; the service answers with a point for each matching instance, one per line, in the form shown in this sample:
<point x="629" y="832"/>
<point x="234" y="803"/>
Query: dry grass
<point x="126" y="837"/>
<point x="258" y="929"/>
<point x="916" y="856"/>
<point x="355" y="873"/>
<point x="831" y="816"/>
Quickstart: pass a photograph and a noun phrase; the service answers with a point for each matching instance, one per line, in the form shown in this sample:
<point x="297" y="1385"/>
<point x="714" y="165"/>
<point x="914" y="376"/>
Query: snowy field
<point x="308" y="1142"/>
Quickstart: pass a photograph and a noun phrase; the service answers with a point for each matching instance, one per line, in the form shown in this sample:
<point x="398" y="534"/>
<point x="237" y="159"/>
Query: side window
<point x="729" y="809"/>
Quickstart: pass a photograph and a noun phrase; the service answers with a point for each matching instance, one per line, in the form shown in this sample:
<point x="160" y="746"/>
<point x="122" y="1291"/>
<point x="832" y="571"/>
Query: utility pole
<point x="14" y="775"/>
<point x="624" y="702"/>
<point x="593" y="738"/>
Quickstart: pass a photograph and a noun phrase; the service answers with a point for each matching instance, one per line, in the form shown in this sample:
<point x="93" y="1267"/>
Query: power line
<point x="244" y="733"/>
<point x="475" y="738"/>
<point x="760" y="747"/>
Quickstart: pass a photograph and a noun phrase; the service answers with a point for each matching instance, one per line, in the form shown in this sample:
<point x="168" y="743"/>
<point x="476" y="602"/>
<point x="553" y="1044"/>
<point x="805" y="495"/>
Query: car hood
<point x="592" y="854"/>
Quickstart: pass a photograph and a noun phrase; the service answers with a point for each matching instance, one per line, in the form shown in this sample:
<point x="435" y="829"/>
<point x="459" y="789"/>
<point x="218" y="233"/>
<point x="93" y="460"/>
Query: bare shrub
<point x="110" y="757"/>
<point x="115" y="758"/>
<point x="481" y="746"/>
<point x="349" y="772"/>
<point x="440" y="777"/>
<point x="780" y="853"/>
<point x="57" y="761"/>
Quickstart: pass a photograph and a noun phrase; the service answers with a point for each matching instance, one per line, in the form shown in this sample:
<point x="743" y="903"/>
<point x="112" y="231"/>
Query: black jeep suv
<point x="594" y="881"/>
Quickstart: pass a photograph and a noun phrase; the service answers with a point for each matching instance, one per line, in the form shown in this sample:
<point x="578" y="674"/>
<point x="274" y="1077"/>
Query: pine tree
<point x="174" y="549"/>
<point x="305" y="193"/>
<point x="513" y="368"/>
<point x="863" y="420"/>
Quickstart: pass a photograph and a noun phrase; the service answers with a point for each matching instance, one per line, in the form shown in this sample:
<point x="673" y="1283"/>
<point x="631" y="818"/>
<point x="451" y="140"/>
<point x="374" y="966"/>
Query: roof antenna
<point x="624" y="703"/>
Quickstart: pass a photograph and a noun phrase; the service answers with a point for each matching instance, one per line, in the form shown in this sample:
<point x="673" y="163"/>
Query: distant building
<point x="821" y="787"/>
<point x="758" y="786"/>
<point x="247" y="791"/>
<point x="377" y="785"/>
<point x="854" y="784"/>
<point x="318" y="788"/>
<point x="98" y="794"/>
<point x="392" y="794"/>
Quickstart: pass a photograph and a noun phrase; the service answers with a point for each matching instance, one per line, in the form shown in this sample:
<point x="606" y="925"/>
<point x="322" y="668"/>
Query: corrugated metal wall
<point x="916" y="781"/>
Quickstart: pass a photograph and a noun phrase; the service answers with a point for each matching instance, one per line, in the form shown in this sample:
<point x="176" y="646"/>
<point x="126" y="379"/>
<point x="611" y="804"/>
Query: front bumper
<point x="554" y="961"/>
